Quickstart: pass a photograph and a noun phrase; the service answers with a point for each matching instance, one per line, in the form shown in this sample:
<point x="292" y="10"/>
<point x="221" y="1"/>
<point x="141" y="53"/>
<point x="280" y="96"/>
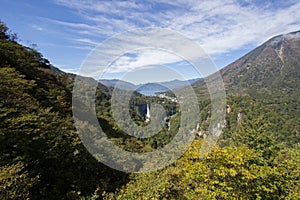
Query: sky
<point x="67" y="31"/>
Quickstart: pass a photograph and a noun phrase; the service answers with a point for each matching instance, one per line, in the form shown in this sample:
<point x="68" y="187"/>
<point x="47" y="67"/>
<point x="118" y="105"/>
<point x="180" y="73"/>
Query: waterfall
<point x="148" y="114"/>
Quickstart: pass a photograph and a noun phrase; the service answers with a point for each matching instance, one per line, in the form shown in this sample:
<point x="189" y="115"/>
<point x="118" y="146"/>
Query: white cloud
<point x="75" y="27"/>
<point x="86" y="41"/>
<point x="222" y="26"/>
<point x="36" y="27"/>
<point x="142" y="59"/>
<point x="142" y="48"/>
<point x="218" y="26"/>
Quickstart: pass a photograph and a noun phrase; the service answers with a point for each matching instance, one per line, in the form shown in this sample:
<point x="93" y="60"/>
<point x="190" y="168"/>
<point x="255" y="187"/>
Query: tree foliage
<point x="42" y="157"/>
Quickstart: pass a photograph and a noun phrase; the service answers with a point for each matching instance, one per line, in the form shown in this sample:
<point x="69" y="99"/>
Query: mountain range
<point x="148" y="89"/>
<point x="257" y="157"/>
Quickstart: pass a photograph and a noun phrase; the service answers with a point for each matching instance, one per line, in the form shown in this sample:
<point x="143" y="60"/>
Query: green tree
<point x="15" y="182"/>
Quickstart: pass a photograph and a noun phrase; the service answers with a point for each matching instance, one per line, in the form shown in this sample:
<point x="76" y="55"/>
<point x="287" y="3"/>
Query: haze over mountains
<point x="148" y="89"/>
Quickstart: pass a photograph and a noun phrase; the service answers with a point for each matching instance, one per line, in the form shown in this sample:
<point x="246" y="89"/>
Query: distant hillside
<point x="147" y="88"/>
<point x="257" y="157"/>
<point x="265" y="84"/>
<point x="274" y="65"/>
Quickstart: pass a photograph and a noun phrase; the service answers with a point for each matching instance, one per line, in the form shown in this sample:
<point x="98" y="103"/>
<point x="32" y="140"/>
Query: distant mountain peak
<point x="280" y="38"/>
<point x="274" y="64"/>
<point x="292" y="35"/>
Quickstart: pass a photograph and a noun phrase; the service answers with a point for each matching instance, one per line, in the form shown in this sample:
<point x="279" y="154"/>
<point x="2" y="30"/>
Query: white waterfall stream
<point x="148" y="114"/>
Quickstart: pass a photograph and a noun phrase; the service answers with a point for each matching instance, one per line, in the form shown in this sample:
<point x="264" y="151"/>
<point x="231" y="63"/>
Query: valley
<point x="257" y="155"/>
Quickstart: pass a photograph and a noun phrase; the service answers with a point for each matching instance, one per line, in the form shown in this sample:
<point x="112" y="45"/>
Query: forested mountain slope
<point x="266" y="82"/>
<point x="41" y="155"/>
<point x="257" y="156"/>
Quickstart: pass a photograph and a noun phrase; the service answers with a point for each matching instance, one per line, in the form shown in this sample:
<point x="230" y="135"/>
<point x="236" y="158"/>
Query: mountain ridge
<point x="150" y="88"/>
<point x="266" y="66"/>
<point x="42" y="156"/>
<point x="263" y="84"/>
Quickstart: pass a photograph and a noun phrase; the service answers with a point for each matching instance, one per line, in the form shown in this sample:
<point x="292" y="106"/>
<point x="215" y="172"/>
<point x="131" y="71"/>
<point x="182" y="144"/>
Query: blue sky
<point x="66" y="31"/>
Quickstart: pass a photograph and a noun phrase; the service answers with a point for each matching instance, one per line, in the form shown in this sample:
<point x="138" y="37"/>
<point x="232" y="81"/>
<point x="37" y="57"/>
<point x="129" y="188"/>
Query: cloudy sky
<point x="66" y="31"/>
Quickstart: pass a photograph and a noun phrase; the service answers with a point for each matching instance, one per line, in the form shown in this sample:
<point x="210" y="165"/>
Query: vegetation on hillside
<point x="42" y="156"/>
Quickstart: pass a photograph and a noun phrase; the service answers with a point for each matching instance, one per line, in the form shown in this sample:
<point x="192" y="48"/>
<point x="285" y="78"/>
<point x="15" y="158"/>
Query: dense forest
<point x="256" y="157"/>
